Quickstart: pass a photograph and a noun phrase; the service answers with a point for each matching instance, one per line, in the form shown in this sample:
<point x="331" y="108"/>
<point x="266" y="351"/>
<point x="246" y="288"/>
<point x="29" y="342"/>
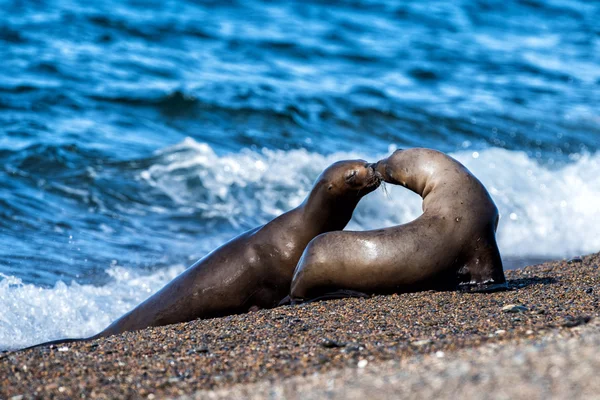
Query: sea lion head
<point x="387" y="168"/>
<point x="353" y="177"/>
<point x="338" y="190"/>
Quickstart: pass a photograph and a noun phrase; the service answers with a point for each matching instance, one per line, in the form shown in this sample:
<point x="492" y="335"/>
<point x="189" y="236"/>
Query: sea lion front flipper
<point x="483" y="272"/>
<point x="483" y="288"/>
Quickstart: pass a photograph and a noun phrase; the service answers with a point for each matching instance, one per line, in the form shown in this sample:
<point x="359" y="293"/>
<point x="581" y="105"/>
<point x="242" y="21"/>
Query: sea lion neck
<point x="326" y="211"/>
<point x="414" y="169"/>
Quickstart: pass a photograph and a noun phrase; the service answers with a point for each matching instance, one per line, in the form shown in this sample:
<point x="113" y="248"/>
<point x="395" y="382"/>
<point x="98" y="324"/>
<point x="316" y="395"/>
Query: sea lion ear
<point x="330" y="187"/>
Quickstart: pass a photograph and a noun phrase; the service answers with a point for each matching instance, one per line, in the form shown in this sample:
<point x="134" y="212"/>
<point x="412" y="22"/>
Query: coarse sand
<point x="396" y="345"/>
<point x="563" y="364"/>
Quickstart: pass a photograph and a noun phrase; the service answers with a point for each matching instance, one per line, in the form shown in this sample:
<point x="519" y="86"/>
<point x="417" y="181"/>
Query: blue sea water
<point x="137" y="136"/>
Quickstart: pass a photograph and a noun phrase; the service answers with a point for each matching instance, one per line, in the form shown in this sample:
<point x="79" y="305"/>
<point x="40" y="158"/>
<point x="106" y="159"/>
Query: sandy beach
<point x="539" y="338"/>
<point x="560" y="364"/>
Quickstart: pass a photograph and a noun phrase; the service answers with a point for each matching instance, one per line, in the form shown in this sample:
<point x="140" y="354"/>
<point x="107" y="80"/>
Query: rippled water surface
<point x="137" y="136"/>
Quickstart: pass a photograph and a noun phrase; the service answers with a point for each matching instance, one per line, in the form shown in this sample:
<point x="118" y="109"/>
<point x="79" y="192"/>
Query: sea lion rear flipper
<point x="56" y="342"/>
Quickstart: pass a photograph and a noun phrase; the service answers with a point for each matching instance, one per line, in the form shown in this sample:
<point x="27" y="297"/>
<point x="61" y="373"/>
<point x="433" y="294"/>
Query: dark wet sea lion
<point x="451" y="244"/>
<point x="254" y="270"/>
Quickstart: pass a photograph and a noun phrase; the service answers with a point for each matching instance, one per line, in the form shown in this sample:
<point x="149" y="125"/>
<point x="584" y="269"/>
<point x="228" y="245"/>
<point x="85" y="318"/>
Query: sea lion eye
<point x="350" y="176"/>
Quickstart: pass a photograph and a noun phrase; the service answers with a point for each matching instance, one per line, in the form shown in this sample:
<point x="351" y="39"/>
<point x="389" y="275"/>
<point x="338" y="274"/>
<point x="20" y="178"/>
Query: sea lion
<point x="255" y="269"/>
<point x="452" y="244"/>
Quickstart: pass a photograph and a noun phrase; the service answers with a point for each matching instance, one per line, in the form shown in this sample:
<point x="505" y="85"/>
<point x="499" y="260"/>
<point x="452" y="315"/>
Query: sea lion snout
<point x="372" y="166"/>
<point x="374" y="178"/>
<point x="375" y="168"/>
<point x="381" y="169"/>
<point x="362" y="176"/>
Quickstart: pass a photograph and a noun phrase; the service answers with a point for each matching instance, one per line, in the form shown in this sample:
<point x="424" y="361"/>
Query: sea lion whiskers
<point x="386" y="193"/>
<point x="374" y="181"/>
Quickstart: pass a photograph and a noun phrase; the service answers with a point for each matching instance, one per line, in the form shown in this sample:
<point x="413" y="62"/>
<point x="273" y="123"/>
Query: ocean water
<point x="137" y="136"/>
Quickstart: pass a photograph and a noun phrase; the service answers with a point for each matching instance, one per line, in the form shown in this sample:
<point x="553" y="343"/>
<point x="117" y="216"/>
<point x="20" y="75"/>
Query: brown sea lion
<point x="255" y="269"/>
<point x="452" y="244"/>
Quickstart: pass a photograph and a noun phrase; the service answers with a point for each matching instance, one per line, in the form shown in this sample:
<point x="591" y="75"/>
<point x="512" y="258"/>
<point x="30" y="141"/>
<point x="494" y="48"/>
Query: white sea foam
<point x="32" y="314"/>
<point x="545" y="213"/>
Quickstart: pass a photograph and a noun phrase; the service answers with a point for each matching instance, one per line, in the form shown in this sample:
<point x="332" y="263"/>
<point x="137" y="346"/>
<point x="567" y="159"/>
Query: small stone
<point x="514" y="308"/>
<point x="589" y="290"/>
<point x="198" y="350"/>
<point x="362" y="363"/>
<point x="423" y="342"/>
<point x="500" y="332"/>
<point x="18" y="397"/>
<point x="439" y="354"/>
<point x="331" y="344"/>
<point x="65" y="348"/>
<point x="353" y="347"/>
<point x="529" y="332"/>
<point x="581" y="320"/>
<point x="575" y="260"/>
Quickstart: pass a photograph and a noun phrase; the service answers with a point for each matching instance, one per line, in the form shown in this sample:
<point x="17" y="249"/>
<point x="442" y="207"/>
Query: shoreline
<point x="286" y="343"/>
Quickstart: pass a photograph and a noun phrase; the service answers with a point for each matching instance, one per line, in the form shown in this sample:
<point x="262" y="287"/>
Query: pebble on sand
<point x="514" y="308"/>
